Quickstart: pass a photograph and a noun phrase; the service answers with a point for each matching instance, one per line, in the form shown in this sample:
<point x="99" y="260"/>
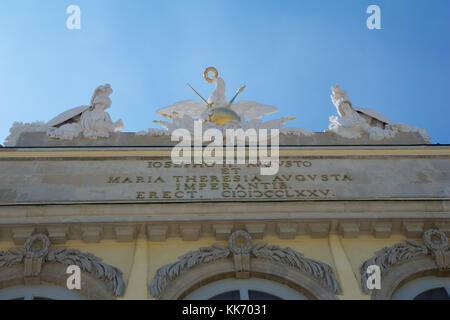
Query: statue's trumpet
<point x="206" y="102"/>
<point x="237" y="93"/>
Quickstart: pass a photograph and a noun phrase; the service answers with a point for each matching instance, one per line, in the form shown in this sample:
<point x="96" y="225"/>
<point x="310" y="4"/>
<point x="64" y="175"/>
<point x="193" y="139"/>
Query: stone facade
<point x="365" y="193"/>
<point x="311" y="227"/>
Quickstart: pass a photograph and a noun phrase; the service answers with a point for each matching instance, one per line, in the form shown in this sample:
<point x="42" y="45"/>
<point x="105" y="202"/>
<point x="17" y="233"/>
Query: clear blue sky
<point x="288" y="53"/>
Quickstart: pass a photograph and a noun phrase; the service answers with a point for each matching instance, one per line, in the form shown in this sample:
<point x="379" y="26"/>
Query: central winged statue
<point x="216" y="109"/>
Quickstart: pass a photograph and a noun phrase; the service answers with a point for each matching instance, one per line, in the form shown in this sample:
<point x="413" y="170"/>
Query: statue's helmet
<point x="101" y="96"/>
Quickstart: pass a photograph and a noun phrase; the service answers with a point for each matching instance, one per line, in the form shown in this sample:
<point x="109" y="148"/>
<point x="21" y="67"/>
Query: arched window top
<point x="40" y="292"/>
<point x="243" y="260"/>
<point x="426" y="288"/>
<point x="39" y="264"/>
<point x="404" y="264"/>
<point x="245" y="289"/>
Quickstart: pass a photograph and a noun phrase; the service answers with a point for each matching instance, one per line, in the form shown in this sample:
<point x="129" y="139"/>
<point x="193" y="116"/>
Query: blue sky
<point x="288" y="53"/>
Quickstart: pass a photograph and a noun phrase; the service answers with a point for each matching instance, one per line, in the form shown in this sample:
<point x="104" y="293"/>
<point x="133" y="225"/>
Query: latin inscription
<point x="167" y="181"/>
<point x="159" y="180"/>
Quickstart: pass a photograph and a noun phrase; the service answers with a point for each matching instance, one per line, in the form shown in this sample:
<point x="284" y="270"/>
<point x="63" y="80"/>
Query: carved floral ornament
<point x="242" y="250"/>
<point x="33" y="257"/>
<point x="435" y="246"/>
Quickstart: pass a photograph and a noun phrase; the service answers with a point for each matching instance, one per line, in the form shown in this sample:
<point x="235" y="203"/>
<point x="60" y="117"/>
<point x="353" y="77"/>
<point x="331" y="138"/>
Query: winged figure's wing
<point x="373" y="114"/>
<point x="253" y="110"/>
<point x="67" y="115"/>
<point x="186" y="107"/>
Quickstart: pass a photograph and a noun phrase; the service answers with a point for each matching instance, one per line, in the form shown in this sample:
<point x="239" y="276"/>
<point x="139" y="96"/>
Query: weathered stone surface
<point x="413" y="229"/>
<point x="256" y="230"/>
<point x="319" y="230"/>
<point x="92" y="234"/>
<point x="58" y="235"/>
<point x="157" y="233"/>
<point x="129" y="139"/>
<point x="158" y="180"/>
<point x="287" y="230"/>
<point x="190" y="232"/>
<point x="382" y="229"/>
<point x="222" y="231"/>
<point x="125" y="234"/>
<point x="349" y="229"/>
<point x="20" y="235"/>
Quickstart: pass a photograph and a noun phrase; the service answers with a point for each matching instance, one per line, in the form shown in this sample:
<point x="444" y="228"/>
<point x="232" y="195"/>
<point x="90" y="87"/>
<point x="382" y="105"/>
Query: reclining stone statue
<point x="355" y="122"/>
<point x="92" y="121"/>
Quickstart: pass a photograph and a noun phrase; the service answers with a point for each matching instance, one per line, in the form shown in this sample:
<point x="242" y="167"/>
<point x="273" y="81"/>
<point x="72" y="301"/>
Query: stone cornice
<point x="93" y="223"/>
<point x="193" y="221"/>
<point x="165" y="152"/>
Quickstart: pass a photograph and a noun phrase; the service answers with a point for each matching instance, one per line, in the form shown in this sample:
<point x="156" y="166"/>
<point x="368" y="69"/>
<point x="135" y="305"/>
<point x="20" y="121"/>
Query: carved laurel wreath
<point x="86" y="261"/>
<point x="435" y="245"/>
<point x="286" y="256"/>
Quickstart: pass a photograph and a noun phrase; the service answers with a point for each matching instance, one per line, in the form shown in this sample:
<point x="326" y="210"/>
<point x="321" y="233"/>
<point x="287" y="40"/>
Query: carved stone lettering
<point x="161" y="180"/>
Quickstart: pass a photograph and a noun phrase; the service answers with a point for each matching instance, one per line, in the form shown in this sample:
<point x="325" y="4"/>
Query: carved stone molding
<point x="435" y="247"/>
<point x="242" y="251"/>
<point x="34" y="256"/>
<point x="94" y="223"/>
